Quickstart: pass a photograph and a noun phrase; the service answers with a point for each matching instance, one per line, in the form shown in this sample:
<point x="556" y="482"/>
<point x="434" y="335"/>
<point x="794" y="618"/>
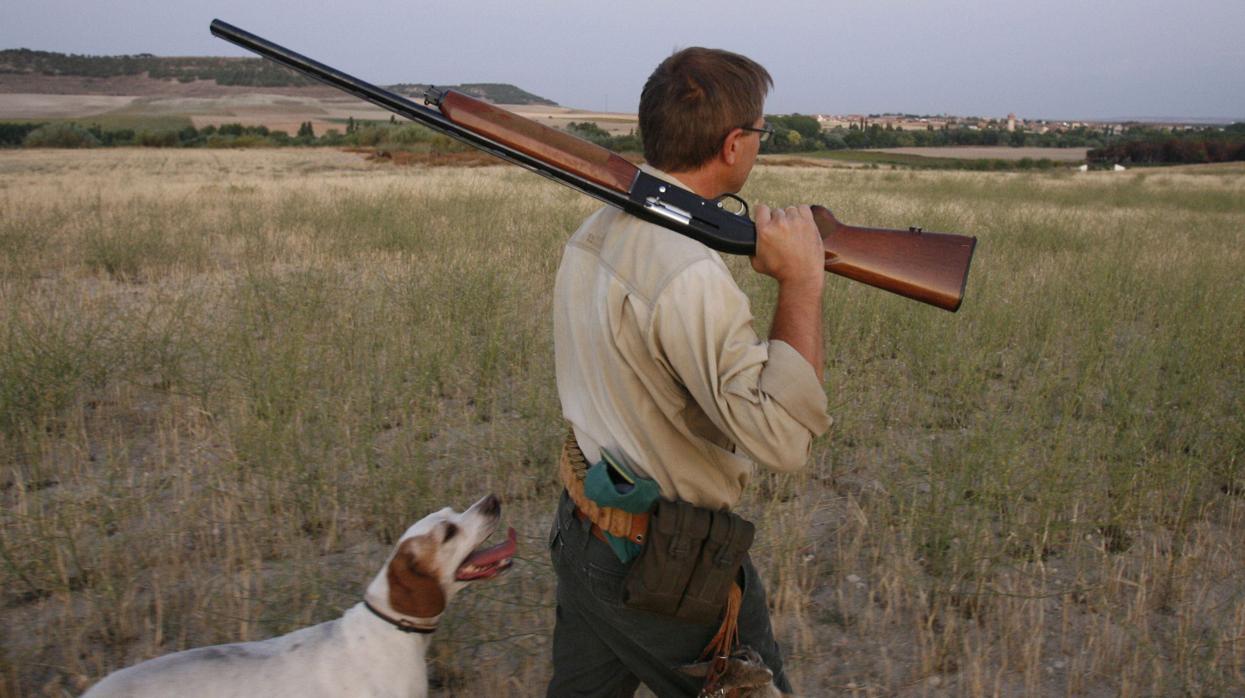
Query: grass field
<point x="229" y="379"/>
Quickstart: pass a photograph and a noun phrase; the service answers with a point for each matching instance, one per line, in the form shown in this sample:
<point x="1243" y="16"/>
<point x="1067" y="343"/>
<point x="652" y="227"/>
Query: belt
<point x="596" y="530"/>
<point x="621" y="524"/>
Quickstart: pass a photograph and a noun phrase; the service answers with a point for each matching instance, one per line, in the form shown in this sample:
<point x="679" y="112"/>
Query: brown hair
<point x="692" y="100"/>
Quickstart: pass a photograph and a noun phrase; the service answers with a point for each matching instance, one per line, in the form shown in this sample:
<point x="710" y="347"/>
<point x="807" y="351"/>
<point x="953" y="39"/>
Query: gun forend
<point x="561" y="149"/>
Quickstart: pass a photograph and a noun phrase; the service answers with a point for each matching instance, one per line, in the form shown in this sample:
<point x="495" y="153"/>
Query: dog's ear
<point x="414" y="579"/>
<point x="741" y="671"/>
<point x="699" y="670"/>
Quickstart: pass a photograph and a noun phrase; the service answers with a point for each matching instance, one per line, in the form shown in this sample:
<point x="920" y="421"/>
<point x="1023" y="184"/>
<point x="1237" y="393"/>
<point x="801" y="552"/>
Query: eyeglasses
<point x="766" y="130"/>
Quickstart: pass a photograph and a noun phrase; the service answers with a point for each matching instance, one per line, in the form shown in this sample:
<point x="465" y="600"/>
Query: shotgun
<point x="928" y="267"/>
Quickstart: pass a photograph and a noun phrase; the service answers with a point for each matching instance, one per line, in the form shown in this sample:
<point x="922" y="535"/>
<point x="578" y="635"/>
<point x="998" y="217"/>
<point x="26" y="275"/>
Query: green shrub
<point x="408" y="134"/>
<point x="445" y="144"/>
<point x="163" y="138"/>
<point x="60" y="136"/>
<point x="14" y="134"/>
<point x="370" y="135"/>
<point x="250" y="141"/>
<point x="589" y="131"/>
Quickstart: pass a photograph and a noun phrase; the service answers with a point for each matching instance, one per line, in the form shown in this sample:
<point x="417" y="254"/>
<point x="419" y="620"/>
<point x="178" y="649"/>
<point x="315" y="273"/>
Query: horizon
<point x="1208" y="120"/>
<point x="1059" y="62"/>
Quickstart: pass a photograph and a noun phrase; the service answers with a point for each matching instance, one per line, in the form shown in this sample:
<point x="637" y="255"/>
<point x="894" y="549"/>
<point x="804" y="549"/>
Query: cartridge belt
<point x="572" y="467"/>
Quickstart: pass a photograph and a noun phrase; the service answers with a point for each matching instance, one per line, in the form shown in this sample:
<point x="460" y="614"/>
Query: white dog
<point x="375" y="649"/>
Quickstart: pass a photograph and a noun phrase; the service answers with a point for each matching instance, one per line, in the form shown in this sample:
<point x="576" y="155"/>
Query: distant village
<point x="1012" y="123"/>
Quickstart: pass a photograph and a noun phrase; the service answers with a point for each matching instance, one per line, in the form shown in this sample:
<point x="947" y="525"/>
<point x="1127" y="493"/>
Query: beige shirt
<point x="658" y="363"/>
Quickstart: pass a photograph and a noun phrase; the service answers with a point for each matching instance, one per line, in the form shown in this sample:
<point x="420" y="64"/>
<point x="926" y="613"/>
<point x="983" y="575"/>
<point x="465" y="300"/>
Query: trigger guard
<point x="743" y="203"/>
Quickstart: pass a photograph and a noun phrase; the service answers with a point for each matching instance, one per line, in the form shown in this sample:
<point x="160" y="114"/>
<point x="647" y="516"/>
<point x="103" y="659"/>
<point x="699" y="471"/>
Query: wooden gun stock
<point x="928" y="267"/>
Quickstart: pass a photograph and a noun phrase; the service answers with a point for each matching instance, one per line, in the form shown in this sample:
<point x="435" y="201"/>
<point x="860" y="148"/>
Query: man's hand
<point x="789" y="247"/>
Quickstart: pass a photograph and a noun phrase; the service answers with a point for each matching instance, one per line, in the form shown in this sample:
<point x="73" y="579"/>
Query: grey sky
<point x="1039" y="58"/>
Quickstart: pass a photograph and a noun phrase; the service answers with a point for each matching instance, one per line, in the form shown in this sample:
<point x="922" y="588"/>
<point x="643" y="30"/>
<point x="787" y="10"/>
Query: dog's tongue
<point x="488" y="562"/>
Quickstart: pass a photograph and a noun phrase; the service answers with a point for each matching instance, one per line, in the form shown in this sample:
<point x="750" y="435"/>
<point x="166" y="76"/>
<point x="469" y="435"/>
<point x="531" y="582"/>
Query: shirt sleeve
<point x="762" y="395"/>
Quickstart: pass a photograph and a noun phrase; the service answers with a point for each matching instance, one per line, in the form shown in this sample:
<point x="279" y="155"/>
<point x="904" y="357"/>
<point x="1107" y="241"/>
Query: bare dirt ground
<point x="993" y="152"/>
<point x="207" y="104"/>
<point x="37" y="106"/>
<point x="558" y="117"/>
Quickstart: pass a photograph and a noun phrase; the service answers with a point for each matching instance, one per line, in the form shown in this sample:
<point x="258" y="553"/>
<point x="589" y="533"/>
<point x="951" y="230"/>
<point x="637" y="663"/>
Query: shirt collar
<point x="664" y="176"/>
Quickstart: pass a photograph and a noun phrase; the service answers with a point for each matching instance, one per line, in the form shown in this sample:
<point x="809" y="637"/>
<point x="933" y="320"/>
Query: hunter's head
<point x="693" y="101"/>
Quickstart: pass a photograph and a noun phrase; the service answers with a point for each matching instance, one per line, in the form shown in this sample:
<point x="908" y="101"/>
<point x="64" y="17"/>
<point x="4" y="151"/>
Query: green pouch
<point x="611" y="483"/>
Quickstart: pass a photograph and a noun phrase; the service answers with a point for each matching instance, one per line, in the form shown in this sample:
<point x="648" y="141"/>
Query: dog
<point x="376" y="648"/>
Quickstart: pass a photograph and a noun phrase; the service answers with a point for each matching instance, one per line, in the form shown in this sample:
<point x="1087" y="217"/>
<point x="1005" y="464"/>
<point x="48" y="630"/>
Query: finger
<point x="763" y="214"/>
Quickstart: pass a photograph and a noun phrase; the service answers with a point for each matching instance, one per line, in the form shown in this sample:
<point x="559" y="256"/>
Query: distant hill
<point x="254" y="72"/>
<point x="497" y="92"/>
<point x="24" y="69"/>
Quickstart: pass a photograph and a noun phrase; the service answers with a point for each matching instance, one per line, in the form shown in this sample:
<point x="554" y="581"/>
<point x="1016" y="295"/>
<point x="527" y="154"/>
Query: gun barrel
<point x="390" y="101"/>
<point x="484" y="130"/>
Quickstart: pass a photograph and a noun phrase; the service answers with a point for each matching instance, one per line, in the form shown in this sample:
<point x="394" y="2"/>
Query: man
<point x="658" y="365"/>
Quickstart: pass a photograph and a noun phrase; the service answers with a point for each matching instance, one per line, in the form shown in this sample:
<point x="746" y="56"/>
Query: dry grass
<point x="228" y="379"/>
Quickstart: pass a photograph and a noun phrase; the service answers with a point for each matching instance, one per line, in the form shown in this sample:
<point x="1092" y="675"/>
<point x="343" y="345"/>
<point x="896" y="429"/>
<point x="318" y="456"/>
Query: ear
<point x="414" y="581"/>
<point x="698" y="670"/>
<point x="730" y="146"/>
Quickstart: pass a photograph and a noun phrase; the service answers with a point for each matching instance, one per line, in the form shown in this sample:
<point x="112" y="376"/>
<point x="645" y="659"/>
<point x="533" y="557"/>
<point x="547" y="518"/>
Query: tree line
<point x="796" y="133"/>
<point x="393" y="134"/>
<point x="793" y="134"/>
<point x="1144" y="146"/>
<point x="225" y="71"/>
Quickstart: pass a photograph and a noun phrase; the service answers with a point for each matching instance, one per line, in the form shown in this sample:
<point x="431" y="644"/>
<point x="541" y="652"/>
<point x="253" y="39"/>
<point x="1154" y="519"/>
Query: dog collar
<point x="406" y="625"/>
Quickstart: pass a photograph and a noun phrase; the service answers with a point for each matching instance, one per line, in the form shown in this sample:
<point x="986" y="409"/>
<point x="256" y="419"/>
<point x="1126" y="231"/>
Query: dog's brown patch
<point x="414" y="581"/>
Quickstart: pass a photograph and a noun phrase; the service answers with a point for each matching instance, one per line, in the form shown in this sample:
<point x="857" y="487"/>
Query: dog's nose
<point x="490" y="505"/>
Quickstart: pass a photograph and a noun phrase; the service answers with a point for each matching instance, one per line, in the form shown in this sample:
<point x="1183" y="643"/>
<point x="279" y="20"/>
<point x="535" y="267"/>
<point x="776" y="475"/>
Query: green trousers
<point x="604" y="650"/>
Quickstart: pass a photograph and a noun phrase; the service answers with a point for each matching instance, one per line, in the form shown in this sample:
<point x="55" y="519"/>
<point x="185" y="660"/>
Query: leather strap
<point x="406" y="625"/>
<point x="723" y="643"/>
<point x="596" y="530"/>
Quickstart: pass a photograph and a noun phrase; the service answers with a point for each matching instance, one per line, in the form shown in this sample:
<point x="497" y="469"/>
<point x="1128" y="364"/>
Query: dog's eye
<point x="451" y="530"/>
